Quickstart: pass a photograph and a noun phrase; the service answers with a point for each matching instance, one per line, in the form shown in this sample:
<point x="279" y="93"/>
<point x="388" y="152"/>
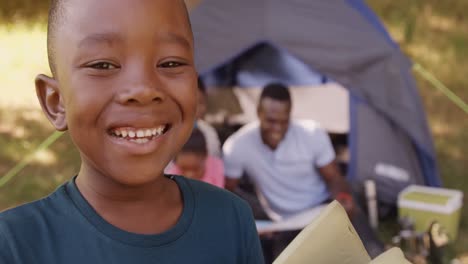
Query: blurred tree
<point x="14" y="11"/>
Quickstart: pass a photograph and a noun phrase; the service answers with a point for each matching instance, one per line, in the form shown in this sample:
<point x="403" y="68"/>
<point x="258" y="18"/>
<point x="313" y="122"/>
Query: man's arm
<point x="338" y="187"/>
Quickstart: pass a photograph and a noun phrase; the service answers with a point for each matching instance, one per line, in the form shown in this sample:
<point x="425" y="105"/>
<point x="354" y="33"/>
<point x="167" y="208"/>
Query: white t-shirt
<point x="287" y="178"/>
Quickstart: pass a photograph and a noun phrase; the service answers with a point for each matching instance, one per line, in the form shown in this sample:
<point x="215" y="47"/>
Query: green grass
<point x="433" y="33"/>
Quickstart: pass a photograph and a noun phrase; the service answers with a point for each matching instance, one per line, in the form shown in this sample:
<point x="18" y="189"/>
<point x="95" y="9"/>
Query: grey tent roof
<point x="331" y="37"/>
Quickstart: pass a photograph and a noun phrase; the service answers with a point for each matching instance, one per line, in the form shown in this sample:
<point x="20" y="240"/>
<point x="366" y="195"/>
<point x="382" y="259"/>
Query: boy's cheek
<point x="187" y="100"/>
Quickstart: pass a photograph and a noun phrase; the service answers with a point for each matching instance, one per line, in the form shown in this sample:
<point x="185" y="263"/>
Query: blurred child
<point x="124" y="85"/>
<point x="193" y="161"/>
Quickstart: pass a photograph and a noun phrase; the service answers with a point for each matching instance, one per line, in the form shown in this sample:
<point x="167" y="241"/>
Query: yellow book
<point x="331" y="238"/>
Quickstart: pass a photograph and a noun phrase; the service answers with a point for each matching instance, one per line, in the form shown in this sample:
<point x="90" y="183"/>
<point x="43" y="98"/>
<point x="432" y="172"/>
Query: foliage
<point x="13" y="11"/>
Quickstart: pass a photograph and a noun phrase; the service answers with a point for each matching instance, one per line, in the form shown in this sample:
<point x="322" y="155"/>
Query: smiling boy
<point x="124" y="86"/>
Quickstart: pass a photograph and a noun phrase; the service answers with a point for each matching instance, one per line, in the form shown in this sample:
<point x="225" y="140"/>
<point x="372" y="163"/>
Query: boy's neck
<point x="149" y="209"/>
<point x="108" y="189"/>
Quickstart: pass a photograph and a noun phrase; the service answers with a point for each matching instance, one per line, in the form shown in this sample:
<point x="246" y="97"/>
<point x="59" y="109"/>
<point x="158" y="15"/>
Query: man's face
<point x="191" y="165"/>
<point x="128" y="84"/>
<point x="274" y="120"/>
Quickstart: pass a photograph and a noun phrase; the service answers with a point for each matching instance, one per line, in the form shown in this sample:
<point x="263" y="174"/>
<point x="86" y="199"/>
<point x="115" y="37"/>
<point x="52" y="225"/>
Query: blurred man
<point x="291" y="163"/>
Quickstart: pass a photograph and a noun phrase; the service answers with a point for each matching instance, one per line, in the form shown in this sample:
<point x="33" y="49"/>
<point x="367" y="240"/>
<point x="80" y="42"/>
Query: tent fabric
<point x="342" y="40"/>
<point x="265" y="64"/>
<point x="395" y="163"/>
<point x="367" y="13"/>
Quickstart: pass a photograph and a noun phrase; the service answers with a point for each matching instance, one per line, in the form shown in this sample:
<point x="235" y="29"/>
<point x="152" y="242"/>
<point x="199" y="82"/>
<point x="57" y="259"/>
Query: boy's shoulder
<point x="26" y="216"/>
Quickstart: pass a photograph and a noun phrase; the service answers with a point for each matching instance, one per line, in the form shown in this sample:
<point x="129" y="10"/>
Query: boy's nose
<point x="142" y="93"/>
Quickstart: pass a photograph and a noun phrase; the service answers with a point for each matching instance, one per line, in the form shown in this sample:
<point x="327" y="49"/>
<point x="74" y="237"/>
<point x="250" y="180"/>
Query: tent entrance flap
<point x="262" y="64"/>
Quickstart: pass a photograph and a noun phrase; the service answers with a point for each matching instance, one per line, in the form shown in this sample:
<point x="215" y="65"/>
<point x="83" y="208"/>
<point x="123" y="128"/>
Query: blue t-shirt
<point x="215" y="227"/>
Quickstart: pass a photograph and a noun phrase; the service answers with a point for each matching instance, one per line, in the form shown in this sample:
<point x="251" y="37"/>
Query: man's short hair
<point x="277" y="91"/>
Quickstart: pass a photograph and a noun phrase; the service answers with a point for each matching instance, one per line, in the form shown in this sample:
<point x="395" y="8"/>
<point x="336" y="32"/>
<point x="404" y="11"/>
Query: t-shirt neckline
<point x="134" y="239"/>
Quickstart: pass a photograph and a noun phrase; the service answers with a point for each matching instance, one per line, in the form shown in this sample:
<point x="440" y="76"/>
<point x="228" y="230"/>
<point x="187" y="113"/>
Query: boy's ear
<point x="51" y="100"/>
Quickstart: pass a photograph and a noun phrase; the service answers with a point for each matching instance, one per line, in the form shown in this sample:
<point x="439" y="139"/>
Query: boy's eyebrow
<point x="174" y="38"/>
<point x="98" y="38"/>
<point x="110" y="37"/>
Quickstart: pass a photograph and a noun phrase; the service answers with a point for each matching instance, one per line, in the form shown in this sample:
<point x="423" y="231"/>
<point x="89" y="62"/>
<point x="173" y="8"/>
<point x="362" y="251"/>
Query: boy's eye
<point x="171" y="64"/>
<point x="103" y="66"/>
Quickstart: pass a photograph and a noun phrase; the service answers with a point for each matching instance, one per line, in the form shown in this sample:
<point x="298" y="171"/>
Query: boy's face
<point x="125" y="85"/>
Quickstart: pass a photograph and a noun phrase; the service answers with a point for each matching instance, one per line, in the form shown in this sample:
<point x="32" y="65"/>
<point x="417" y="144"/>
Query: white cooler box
<point x="427" y="204"/>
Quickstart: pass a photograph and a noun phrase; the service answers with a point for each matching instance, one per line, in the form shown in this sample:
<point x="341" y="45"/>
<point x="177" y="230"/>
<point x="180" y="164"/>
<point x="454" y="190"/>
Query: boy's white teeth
<point x="148" y="133"/>
<point x="139" y="133"/>
<point x="140" y="140"/>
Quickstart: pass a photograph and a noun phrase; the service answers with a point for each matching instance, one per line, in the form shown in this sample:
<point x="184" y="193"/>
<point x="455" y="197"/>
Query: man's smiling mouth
<point x="139" y="135"/>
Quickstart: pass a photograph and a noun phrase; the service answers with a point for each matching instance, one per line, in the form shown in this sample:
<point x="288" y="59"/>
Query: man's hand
<point x="347" y="201"/>
<point x="266" y="234"/>
<point x="338" y="187"/>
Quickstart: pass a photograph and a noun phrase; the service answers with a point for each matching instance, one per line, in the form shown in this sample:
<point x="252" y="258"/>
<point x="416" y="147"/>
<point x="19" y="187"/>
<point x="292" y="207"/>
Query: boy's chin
<point x="135" y="180"/>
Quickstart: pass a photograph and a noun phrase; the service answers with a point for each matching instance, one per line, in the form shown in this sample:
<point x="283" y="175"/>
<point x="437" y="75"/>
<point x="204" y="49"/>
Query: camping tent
<point x="304" y="43"/>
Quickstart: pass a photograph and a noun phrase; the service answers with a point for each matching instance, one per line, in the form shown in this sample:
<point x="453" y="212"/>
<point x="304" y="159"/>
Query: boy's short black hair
<point x="277" y="91"/>
<point x="56" y="12"/>
<point x="196" y="143"/>
<point x="56" y="15"/>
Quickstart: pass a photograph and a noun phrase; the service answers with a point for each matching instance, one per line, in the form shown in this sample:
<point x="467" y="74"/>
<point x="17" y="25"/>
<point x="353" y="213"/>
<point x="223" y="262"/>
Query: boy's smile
<point x="136" y="139"/>
<point x="140" y="135"/>
<point x="126" y="85"/>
